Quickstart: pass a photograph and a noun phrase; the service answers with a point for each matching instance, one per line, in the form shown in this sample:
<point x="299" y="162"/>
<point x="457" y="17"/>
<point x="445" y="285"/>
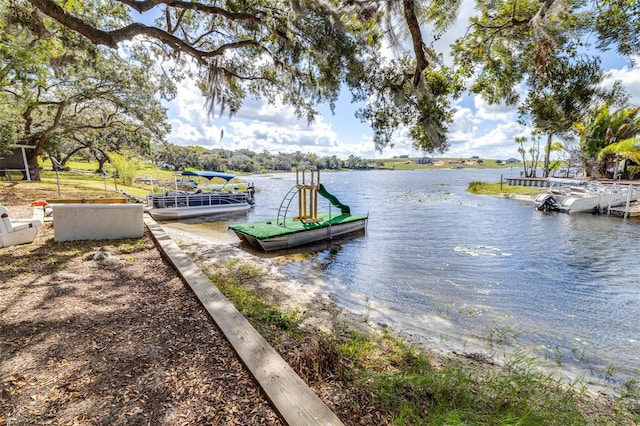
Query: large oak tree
<point x="302" y="52"/>
<point x="297" y="52"/>
<point x="60" y="93"/>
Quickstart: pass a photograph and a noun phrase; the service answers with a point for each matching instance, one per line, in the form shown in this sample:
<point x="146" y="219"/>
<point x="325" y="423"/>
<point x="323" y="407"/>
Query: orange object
<point x="39" y="203"/>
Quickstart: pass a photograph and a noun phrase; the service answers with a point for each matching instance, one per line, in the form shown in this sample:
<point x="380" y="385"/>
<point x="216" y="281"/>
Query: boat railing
<point x="196" y="199"/>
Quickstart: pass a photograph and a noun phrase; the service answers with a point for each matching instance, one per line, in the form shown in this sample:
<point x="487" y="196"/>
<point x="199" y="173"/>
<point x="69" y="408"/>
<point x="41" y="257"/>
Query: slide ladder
<point x="284" y="205"/>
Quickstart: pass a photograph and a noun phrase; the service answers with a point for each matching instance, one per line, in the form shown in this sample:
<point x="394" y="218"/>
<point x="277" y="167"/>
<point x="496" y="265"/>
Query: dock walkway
<point x="634" y="210"/>
<point x="290" y="396"/>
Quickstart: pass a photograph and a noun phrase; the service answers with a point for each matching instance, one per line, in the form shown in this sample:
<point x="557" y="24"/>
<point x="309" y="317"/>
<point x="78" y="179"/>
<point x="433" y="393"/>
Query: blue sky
<point x="478" y="129"/>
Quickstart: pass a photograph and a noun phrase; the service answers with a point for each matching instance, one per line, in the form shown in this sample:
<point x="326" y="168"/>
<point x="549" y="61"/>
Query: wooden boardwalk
<point x="290" y="396"/>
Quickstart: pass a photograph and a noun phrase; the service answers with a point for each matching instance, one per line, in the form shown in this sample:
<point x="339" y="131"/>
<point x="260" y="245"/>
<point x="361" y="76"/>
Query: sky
<point x="478" y="129"/>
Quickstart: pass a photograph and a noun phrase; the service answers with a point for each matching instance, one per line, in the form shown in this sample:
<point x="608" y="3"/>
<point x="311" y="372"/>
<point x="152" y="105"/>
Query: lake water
<point x="478" y="273"/>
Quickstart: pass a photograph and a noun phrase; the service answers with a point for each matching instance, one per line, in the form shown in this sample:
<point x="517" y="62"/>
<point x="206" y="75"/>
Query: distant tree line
<point x="177" y="157"/>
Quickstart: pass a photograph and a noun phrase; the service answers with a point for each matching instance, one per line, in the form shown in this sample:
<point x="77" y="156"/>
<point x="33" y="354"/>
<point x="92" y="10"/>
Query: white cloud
<point x="497" y="143"/>
<point x="464" y="126"/>
<point x="273" y="136"/>
<point x="630" y="78"/>
<point x="495" y="112"/>
<point x="258" y="126"/>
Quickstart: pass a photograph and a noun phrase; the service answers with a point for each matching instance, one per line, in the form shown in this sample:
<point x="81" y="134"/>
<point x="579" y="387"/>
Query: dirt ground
<point x="105" y="332"/>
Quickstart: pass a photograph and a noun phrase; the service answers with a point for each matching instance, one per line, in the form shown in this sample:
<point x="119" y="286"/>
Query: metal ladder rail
<point x="282" y="210"/>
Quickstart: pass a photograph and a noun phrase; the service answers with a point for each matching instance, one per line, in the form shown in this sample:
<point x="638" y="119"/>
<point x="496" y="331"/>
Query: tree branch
<point x="220" y="50"/>
<point x="416" y="36"/>
<point x="128" y="32"/>
<point x="145" y="6"/>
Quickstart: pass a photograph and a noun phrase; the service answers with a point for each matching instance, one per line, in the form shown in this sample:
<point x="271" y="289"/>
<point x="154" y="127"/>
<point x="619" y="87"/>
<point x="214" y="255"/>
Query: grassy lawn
<point x="504" y="190"/>
<point x="444" y="163"/>
<point x="80" y="180"/>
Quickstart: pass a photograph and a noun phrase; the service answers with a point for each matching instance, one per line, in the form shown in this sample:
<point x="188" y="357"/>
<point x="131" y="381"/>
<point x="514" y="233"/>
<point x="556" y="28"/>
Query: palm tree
<point x="602" y="128"/>
<point x="628" y="149"/>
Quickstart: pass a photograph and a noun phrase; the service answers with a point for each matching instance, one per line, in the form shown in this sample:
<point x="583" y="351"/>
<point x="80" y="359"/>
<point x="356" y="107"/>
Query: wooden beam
<point x="290" y="396"/>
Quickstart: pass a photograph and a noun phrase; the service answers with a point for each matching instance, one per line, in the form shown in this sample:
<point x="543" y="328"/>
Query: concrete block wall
<point x="97" y="221"/>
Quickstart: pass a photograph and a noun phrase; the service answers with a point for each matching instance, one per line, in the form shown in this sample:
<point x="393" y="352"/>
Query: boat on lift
<point x="577" y="196"/>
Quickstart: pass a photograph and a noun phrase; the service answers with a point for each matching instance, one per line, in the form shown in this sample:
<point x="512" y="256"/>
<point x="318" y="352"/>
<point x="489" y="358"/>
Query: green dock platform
<point x="270" y="235"/>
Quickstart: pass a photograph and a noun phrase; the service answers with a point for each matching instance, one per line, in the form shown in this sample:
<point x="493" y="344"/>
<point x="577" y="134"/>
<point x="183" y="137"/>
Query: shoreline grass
<point x="406" y="385"/>
<point x="503" y="190"/>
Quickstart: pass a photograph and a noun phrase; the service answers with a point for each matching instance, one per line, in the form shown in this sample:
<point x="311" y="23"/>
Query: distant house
<point x="512" y="161"/>
<point x="424" y="160"/>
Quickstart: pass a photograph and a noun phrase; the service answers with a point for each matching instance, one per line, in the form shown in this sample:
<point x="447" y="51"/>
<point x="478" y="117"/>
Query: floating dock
<point x="308" y="226"/>
<point x="271" y="235"/>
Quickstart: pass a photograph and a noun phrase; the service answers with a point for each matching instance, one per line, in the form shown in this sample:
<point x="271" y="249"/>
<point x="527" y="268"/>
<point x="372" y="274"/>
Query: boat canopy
<point x="209" y="175"/>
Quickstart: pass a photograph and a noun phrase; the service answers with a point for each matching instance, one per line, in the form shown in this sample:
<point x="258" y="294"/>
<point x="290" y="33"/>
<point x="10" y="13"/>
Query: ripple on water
<point x="439" y="261"/>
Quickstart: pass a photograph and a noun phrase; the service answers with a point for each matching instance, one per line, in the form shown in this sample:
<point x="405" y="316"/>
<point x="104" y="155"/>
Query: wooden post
<point x="315" y="204"/>
<point x="304" y="202"/>
<point x="299" y="194"/>
<point x="307" y="195"/>
<point x="626" y="208"/>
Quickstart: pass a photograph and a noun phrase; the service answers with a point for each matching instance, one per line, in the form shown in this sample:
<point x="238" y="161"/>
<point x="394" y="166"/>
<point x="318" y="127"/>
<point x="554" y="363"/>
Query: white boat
<point x="575" y="196"/>
<point x="175" y="204"/>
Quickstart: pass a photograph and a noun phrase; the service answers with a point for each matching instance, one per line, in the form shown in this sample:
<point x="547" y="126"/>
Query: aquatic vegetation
<point x="481" y="250"/>
<point x="485" y="188"/>
<point x="501" y="331"/>
<point x="430" y="196"/>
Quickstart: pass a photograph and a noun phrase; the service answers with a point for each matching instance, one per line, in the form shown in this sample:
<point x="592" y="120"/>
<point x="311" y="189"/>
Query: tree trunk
<point x="32" y="162"/>
<point x="547" y="154"/>
<point x="32" y="159"/>
<point x="413" y="23"/>
<point x="101" y="162"/>
<point x="64" y="160"/>
<point x="32" y="155"/>
<point x="101" y="157"/>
